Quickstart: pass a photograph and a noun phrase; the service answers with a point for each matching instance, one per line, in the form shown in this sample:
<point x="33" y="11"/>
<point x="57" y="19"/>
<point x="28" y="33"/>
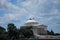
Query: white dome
<point x="29" y="21"/>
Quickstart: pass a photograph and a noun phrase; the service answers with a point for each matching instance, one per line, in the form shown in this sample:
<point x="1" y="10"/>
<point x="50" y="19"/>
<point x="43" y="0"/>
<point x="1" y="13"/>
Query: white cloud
<point x="12" y="12"/>
<point x="42" y="8"/>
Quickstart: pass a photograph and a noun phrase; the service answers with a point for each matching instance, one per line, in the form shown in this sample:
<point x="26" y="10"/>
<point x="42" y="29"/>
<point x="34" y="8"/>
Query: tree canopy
<point x="13" y="33"/>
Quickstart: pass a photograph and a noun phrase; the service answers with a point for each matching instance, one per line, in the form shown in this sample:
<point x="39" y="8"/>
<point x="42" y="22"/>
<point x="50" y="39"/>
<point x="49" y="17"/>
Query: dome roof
<point x="29" y="21"/>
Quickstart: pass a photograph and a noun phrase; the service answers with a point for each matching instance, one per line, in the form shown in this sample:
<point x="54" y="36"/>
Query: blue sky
<point x="18" y="11"/>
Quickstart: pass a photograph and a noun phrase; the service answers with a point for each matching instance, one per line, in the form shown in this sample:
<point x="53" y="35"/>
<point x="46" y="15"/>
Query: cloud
<point x="12" y="12"/>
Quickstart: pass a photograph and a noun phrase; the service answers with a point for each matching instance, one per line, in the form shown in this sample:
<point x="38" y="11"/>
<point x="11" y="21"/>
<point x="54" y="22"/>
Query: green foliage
<point x="52" y="33"/>
<point x="12" y="32"/>
<point x="3" y="35"/>
<point x="26" y="32"/>
<point x="57" y="34"/>
<point x="2" y="29"/>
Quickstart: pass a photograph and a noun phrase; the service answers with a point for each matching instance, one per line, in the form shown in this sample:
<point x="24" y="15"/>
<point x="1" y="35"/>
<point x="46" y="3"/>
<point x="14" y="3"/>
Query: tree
<point x="50" y="32"/>
<point x="12" y="32"/>
<point x="2" y="30"/>
<point x="2" y="33"/>
<point x="26" y="32"/>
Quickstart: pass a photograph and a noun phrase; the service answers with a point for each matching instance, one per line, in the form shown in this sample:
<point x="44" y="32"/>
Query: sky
<point x="45" y="12"/>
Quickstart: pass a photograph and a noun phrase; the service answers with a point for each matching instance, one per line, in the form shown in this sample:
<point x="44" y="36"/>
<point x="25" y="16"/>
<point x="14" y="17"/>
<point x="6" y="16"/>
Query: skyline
<point x="18" y="11"/>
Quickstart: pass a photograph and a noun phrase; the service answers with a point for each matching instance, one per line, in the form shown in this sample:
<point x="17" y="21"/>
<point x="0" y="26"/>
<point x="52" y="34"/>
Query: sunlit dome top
<point x="31" y="20"/>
